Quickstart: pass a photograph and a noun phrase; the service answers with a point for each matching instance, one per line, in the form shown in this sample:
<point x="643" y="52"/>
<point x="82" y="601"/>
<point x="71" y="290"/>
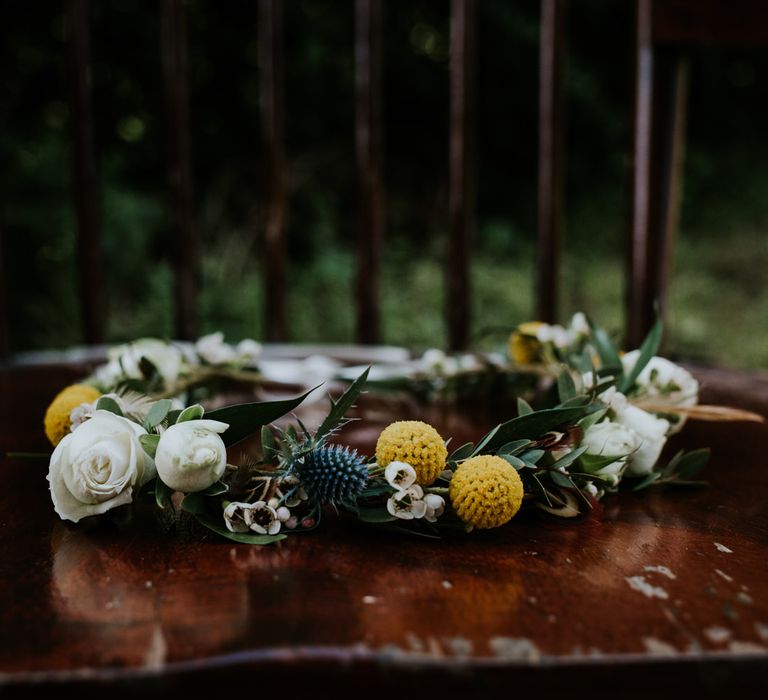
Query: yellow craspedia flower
<point x="416" y="443"/>
<point x="524" y="347"/>
<point x="57" y="421"/>
<point x="486" y="491"/>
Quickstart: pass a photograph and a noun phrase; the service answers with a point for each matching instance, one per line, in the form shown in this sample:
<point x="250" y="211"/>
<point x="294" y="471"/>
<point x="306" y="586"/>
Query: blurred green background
<point x="719" y="295"/>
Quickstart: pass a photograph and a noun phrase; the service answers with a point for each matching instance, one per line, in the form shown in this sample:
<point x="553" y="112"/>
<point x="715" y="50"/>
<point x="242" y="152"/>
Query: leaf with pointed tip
<point x="268" y="446"/>
<point x="648" y="349"/>
<point x="534" y="425"/>
<point x="523" y="407"/>
<point x="215" y="489"/>
<point x="488" y="437"/>
<point x="158" y="412"/>
<point x="107" y="403"/>
<point x="244" y="419"/>
<point x="339" y="408"/>
<point x="163" y="494"/>
<point x="607" y="351"/>
<point x="193" y="412"/>
<point x="149" y="443"/>
<point x="461" y="452"/>
<point x="567" y="460"/>
<point x="566" y="388"/>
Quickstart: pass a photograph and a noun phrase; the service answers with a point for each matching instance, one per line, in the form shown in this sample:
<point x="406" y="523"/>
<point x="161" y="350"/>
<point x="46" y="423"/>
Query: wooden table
<point x="661" y="593"/>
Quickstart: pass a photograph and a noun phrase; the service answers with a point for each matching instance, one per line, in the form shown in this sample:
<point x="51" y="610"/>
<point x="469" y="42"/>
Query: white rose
<point x="652" y="432"/>
<point x="666" y="383"/>
<point x="96" y="467"/>
<point x="191" y="456"/>
<point x="127" y="358"/>
<point x="610" y="439"/>
<point x="214" y="350"/>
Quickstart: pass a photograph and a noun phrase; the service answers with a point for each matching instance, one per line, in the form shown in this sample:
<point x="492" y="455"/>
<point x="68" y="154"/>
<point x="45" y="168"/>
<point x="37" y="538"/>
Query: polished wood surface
<point x="654" y="594"/>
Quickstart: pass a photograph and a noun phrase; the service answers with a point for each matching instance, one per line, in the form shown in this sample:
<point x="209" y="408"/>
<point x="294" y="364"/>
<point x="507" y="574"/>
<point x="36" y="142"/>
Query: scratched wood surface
<point x="656" y="593"/>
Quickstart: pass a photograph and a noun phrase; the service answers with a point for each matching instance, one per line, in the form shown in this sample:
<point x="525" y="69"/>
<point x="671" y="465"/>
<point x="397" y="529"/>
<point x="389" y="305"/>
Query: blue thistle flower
<point x="332" y="474"/>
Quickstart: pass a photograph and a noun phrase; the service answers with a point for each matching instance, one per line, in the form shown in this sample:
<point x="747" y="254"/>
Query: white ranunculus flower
<point x="652" y="432"/>
<point x="214" y="350"/>
<point x="664" y="383"/>
<point x="96" y="467"/>
<point x="191" y="456"/>
<point x="124" y="361"/>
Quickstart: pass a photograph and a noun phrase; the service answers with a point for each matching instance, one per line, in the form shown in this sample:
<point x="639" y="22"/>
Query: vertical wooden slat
<point x="4" y="344"/>
<point x="460" y="195"/>
<point x="271" y="56"/>
<point x="661" y="91"/>
<point x="185" y="242"/>
<point x="85" y="180"/>
<point x="368" y="149"/>
<point x="551" y="124"/>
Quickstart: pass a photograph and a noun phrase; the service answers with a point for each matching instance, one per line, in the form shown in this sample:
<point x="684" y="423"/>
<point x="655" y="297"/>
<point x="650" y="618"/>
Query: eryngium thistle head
<point x="332" y="474"/>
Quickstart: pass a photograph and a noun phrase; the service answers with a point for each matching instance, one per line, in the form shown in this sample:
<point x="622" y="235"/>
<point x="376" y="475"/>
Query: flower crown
<point x="137" y="429"/>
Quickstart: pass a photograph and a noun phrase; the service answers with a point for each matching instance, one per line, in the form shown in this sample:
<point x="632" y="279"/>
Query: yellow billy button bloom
<point x="57" y="418"/>
<point x="524" y="347"/>
<point x="414" y="443"/>
<point x="486" y="491"/>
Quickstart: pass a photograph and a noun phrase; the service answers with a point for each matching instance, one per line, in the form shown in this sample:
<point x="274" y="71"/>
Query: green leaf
<point x="516" y="462"/>
<point x="268" y="446"/>
<point x="607" y="351"/>
<point x="149" y="443"/>
<point x="214" y="489"/>
<point x="534" y="425"/>
<point x="566" y="389"/>
<point x="512" y="448"/>
<point x="488" y="437"/>
<point x="375" y="515"/>
<point x="158" y="412"/>
<point x="523" y="407"/>
<point x="339" y="408"/>
<point x="647" y="481"/>
<point x="194" y="412"/>
<point x="214" y="525"/>
<point x="691" y="463"/>
<point x="561" y="479"/>
<point x="532" y="456"/>
<point x="594" y="463"/>
<point x="461" y="452"/>
<point x="107" y="403"/>
<point x="567" y="460"/>
<point x="588" y="421"/>
<point x="244" y="419"/>
<point x="163" y="494"/>
<point x="648" y="349"/>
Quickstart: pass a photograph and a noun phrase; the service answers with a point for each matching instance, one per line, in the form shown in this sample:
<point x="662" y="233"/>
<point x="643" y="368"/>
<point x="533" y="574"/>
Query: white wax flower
<point x="234" y="516"/>
<point x="214" y="350"/>
<point x="191" y="456"/>
<point x="400" y="475"/>
<point x="96" y="467"/>
<point x="407" y="504"/>
<point x="263" y="519"/>
<point x="435" y="507"/>
<point x="665" y="383"/>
